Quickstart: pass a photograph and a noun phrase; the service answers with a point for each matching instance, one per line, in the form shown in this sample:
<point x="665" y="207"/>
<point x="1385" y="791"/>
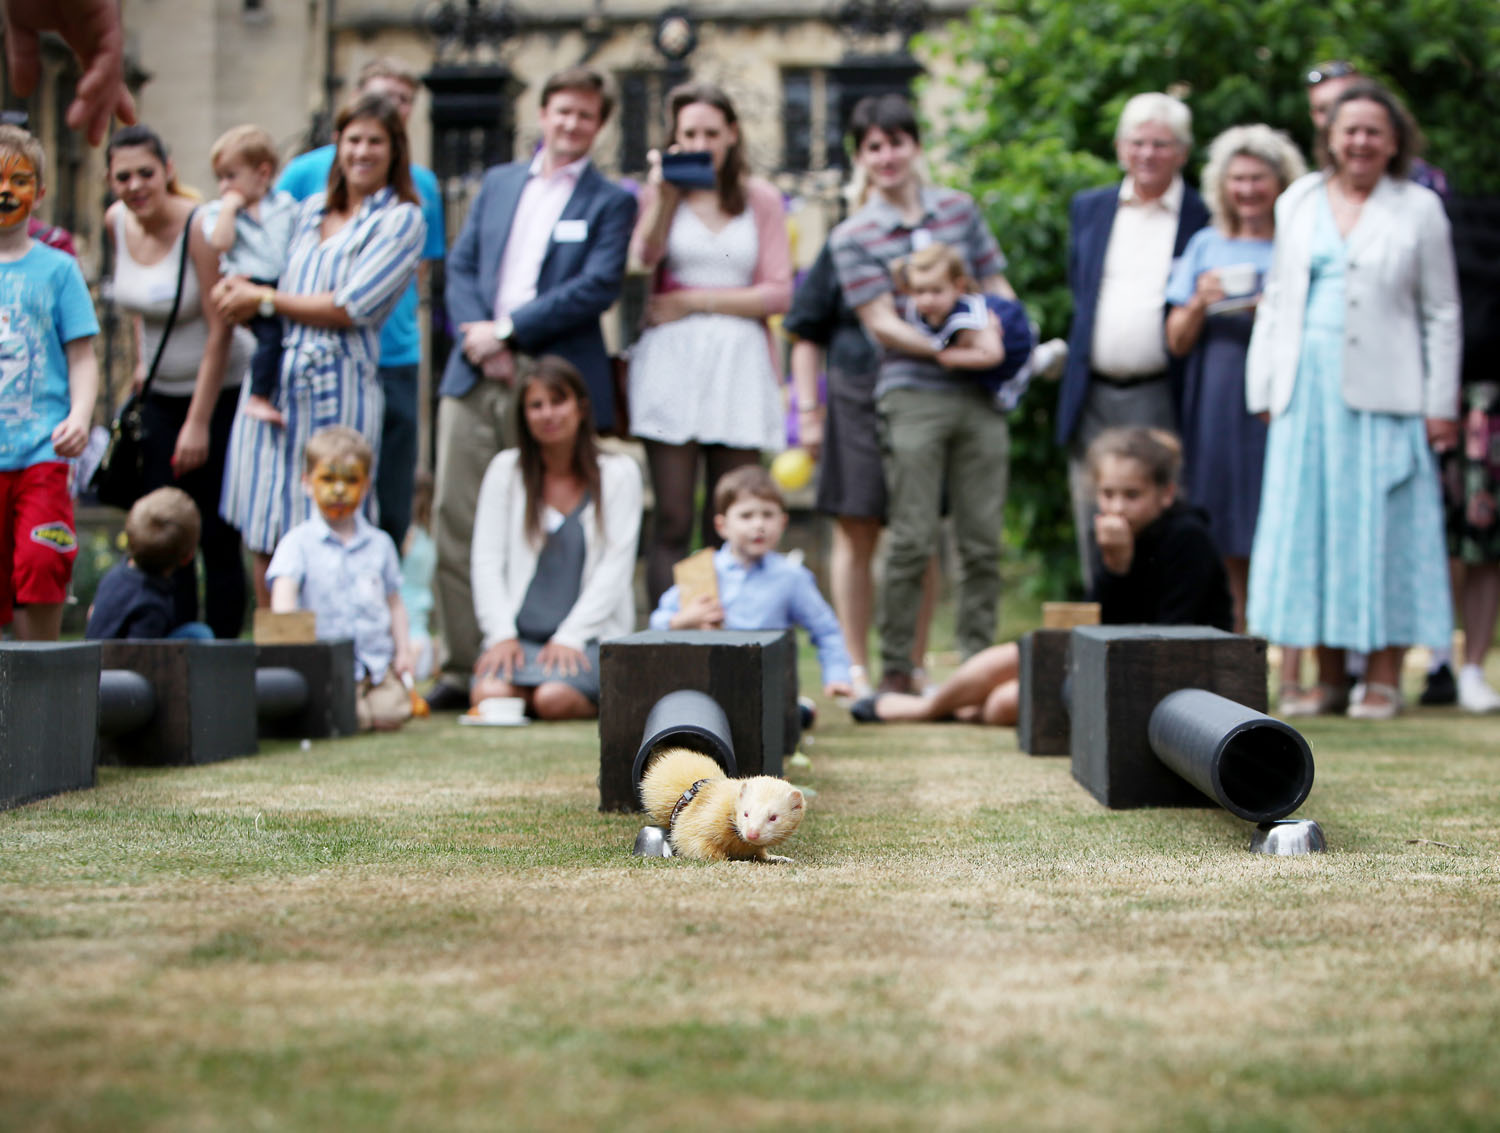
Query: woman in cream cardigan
<point x="553" y="556"/>
<point x="1354" y="359"/>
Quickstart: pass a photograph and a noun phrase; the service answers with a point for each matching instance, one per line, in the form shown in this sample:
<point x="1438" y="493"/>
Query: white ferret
<point x="726" y="818"/>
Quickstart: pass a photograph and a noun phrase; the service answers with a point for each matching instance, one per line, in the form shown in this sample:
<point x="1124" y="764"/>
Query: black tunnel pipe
<point x="1252" y="765"/>
<point x="127" y="701"/>
<point x="279" y="691"/>
<point x="686" y="718"/>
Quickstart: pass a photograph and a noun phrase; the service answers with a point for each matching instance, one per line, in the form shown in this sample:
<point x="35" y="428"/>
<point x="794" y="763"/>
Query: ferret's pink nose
<point x="752" y="835"/>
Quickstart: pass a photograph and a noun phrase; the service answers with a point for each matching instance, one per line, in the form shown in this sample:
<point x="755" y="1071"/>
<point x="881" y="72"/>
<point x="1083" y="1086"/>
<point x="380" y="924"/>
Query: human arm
<point x="812" y="611"/>
<point x="93" y="29"/>
<point x="1441" y="322"/>
<point x="611" y="581"/>
<point x="884" y="323"/>
<point x="659" y="201"/>
<point x="72" y="433"/>
<point x="974" y="349"/>
<point x="806" y="363"/>
<point x="1185" y="321"/>
<point x="1116" y="543"/>
<point x="221" y="232"/>
<point x="191" y="450"/>
<point x="286" y="593"/>
<point x="401" y="660"/>
<point x="498" y="516"/>
<point x="998" y="285"/>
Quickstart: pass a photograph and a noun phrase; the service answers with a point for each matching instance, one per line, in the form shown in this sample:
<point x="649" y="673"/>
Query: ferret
<point x="726" y="818"/>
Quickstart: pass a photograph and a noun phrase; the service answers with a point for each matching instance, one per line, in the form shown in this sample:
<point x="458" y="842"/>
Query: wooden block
<point x="695" y="576"/>
<point x="1120" y="673"/>
<point x="205" y="702"/>
<point x="328" y="667"/>
<point x="1044" y="727"/>
<point x="752" y="675"/>
<point x="49" y="719"/>
<point x="297" y="627"/>
<point x="1066" y="615"/>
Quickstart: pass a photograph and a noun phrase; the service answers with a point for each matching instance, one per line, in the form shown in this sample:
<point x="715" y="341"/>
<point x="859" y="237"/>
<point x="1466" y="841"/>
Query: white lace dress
<point x="708" y="378"/>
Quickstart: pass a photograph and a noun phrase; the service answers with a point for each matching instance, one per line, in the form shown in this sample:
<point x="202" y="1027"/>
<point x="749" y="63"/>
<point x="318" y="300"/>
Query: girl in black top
<point x="1157" y="565"/>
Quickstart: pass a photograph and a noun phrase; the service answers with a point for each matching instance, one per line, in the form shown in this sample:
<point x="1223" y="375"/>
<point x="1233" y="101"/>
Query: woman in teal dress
<point x="1354" y="357"/>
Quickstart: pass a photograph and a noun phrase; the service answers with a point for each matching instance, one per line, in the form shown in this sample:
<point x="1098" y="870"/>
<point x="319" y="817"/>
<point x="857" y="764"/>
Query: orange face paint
<point x="19" y="187"/>
<point x="337" y="487"/>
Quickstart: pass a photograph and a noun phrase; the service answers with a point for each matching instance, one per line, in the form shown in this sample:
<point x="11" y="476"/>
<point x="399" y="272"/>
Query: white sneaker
<point x="1049" y="358"/>
<point x="1474" y="693"/>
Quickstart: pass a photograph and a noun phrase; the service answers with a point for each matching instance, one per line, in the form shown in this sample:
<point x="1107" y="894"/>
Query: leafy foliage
<point x="1039" y="86"/>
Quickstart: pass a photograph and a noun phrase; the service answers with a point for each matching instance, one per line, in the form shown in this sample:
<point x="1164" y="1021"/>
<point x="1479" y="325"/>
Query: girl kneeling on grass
<point x="1157" y="565"/>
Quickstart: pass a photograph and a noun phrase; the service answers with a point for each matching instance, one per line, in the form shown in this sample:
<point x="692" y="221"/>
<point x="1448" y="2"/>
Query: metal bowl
<point x="1288" y="836"/>
<point x="652" y="842"/>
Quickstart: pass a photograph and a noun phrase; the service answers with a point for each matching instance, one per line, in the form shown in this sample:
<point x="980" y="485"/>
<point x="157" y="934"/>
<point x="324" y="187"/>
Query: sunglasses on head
<point x="1336" y="69"/>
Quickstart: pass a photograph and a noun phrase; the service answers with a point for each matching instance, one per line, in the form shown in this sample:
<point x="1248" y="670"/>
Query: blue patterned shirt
<point x="348" y="585"/>
<point x="773" y="593"/>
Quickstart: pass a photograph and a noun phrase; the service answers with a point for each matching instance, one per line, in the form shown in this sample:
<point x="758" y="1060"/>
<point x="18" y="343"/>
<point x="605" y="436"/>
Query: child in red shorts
<point x="48" y="382"/>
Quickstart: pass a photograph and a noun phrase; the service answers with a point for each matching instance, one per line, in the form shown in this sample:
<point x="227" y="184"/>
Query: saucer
<point x="481" y="722"/>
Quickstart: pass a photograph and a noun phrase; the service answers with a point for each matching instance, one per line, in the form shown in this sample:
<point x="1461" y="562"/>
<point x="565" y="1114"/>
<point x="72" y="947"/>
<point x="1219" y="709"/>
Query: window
<point x="816" y="102"/>
<point x="641" y="94"/>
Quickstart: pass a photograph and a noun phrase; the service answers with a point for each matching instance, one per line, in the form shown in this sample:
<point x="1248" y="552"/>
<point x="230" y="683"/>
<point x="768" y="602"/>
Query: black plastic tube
<point x="1251" y="764"/>
<point x="279" y="691"/>
<point x="127" y="701"/>
<point x="690" y="719"/>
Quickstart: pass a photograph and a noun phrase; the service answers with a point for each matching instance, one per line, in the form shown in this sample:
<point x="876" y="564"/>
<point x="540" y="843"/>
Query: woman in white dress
<point x="703" y="376"/>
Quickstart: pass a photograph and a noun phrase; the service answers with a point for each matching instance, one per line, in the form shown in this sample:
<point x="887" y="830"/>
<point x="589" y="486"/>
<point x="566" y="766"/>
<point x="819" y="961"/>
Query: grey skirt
<point x="530" y="674"/>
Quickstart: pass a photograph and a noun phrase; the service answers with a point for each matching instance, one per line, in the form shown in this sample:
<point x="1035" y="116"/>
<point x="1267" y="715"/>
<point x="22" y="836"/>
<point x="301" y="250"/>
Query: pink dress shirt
<point x="537" y="212"/>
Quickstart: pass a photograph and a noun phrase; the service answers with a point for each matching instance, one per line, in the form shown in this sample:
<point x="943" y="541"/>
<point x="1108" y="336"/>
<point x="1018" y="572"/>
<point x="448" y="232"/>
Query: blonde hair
<point x="1259" y="141"/>
<point x="387" y="67"/>
<point x="162" y="530"/>
<point x="23" y="143"/>
<point x="248" y="143"/>
<point x="1156" y="450"/>
<point x="334" y="442"/>
<point x="934" y="255"/>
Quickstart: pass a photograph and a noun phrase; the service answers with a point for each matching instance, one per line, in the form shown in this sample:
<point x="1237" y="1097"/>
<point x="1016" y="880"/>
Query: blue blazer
<point x="578" y="282"/>
<point x="1091" y="216"/>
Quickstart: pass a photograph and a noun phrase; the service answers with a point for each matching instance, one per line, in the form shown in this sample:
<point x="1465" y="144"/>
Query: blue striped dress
<point x="327" y="374"/>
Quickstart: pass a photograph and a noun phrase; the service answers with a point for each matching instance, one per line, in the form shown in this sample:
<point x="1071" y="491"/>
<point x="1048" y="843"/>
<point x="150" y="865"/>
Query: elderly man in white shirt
<point x="1123" y="241"/>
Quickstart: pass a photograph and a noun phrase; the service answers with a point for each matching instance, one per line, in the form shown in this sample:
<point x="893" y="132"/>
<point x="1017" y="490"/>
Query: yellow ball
<point x="792" y="469"/>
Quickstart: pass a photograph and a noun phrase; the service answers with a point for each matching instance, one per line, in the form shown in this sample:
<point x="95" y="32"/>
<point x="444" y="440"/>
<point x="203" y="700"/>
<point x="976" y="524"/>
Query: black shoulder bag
<point x="120" y="479"/>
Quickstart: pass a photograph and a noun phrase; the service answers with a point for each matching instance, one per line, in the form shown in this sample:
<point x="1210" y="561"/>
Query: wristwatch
<point x="267" y="308"/>
<point x="504" y="328"/>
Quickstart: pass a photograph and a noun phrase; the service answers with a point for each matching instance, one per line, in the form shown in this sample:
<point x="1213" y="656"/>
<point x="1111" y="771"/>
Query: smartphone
<point x="689" y="170"/>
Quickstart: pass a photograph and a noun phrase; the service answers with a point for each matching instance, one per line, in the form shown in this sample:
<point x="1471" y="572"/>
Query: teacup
<point x="1239" y="279"/>
<point x="502" y="709"/>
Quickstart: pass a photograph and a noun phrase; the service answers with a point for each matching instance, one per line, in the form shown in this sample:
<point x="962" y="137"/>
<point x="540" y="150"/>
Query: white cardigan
<point x="502" y="560"/>
<point x="1402" y="332"/>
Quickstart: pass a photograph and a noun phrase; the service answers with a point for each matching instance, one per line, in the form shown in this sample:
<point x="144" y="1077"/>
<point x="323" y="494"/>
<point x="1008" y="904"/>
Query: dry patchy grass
<point x="437" y="929"/>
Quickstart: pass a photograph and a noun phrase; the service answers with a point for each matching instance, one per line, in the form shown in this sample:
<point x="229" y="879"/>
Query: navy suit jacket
<point x="578" y="282"/>
<point x="1091" y="216"/>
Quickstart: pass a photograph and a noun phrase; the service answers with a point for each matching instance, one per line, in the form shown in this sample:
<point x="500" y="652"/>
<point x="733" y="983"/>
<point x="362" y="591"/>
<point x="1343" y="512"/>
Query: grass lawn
<point x="437" y="929"/>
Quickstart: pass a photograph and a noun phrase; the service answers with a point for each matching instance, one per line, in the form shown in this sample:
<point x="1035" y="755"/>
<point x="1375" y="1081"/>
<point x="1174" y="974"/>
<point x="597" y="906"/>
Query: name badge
<point x="571" y="231"/>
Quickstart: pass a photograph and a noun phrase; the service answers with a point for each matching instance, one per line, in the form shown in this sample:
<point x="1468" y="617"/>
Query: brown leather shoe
<point x="892" y="681"/>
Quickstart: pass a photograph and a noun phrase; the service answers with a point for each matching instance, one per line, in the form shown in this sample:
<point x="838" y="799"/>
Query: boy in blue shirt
<point x="250" y="226"/>
<point x="346" y="571"/>
<point x="48" y="382"/>
<point x="758" y="587"/>
<point x="134" y="601"/>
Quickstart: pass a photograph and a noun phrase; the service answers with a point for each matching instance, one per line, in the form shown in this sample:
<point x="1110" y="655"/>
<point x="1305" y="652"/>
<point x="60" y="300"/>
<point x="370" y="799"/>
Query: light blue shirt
<point x="260" y="243"/>
<point x="44" y="305"/>
<point x="400" y="338"/>
<point x="348" y="585"/>
<point x="771" y="594"/>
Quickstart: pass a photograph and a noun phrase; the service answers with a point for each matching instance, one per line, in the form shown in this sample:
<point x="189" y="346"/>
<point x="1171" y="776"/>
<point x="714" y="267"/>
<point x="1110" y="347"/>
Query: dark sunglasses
<point x="1336" y="69"/>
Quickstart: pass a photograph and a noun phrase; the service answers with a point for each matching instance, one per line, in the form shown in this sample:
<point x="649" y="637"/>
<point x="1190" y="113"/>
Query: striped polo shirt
<point x="865" y="245"/>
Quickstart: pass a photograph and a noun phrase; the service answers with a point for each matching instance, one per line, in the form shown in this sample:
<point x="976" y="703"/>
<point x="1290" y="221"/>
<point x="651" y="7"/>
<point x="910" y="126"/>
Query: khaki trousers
<point x="472" y="429"/>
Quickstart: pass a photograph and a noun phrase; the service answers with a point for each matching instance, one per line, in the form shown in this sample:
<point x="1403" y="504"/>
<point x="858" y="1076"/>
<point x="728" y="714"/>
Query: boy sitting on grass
<point x="758" y="588"/>
<point x="344" y="569"/>
<point x="134" y="601"/>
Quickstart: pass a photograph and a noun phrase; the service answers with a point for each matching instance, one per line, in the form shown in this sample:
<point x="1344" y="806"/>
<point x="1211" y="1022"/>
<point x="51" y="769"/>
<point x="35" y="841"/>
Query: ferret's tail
<point x="671" y="772"/>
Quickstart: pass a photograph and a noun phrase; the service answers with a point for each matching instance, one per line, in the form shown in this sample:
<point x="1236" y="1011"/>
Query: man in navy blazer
<point x="540" y="258"/>
<point x="1123" y="242"/>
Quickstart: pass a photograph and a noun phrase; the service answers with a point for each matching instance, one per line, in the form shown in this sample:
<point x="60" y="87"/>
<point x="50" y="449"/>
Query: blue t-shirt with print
<point x="44" y="305"/>
<point x="400" y="340"/>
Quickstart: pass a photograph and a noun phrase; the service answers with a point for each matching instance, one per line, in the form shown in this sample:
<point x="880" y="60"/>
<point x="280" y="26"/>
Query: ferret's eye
<point x="747" y="814"/>
<point x="774" y="817"/>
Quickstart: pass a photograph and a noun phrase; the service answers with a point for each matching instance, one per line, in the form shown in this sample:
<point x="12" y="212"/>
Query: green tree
<point x="1040" y="85"/>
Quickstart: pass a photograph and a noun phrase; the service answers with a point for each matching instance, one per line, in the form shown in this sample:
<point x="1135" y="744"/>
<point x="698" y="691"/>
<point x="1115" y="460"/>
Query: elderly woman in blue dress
<point x="354" y="249"/>
<point x="1211" y="298"/>
<point x="1355" y="358"/>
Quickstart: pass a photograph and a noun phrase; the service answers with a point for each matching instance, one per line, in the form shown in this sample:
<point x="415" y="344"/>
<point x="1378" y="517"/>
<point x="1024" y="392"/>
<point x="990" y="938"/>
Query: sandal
<point x="1387" y="707"/>
<point x="1320" y="700"/>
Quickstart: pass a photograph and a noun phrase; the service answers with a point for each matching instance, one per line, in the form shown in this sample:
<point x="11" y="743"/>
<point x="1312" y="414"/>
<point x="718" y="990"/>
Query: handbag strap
<point x="166" y="331"/>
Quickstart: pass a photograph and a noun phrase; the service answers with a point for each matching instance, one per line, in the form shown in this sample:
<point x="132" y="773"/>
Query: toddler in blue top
<point x="250" y="226"/>
<point x="758" y="587"/>
<point x="344" y="569"/>
<point x="134" y="600"/>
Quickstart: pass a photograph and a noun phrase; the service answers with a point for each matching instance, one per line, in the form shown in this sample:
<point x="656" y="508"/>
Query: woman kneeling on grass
<point x="554" y="548"/>
<point x="1156" y="565"/>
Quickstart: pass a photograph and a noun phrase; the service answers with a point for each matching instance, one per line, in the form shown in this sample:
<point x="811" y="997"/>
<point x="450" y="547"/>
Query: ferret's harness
<point x="687" y="796"/>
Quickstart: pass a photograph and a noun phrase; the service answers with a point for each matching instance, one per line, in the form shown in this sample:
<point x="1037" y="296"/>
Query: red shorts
<point x="37" y="540"/>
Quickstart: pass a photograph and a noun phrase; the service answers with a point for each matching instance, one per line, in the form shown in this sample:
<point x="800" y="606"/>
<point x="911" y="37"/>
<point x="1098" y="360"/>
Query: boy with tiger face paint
<point x="48" y="382"/>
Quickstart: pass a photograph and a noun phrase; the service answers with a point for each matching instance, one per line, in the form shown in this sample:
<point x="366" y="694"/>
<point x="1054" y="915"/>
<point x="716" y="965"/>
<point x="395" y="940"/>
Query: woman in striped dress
<point x="352" y="253"/>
